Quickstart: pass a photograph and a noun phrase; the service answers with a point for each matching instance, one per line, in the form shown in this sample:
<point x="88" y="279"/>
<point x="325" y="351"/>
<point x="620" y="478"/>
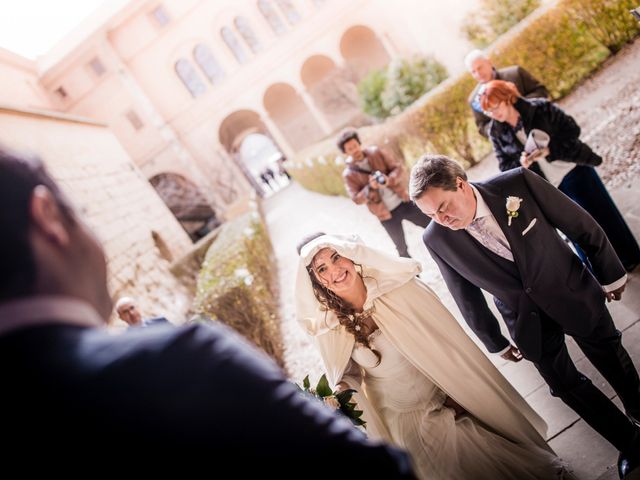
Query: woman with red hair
<point x="558" y="155"/>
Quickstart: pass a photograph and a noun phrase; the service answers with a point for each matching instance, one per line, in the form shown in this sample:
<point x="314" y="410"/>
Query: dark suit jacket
<point x="527" y="84"/>
<point x="147" y="322"/>
<point x="196" y="396"/>
<point x="546" y="276"/>
<point x="564" y="133"/>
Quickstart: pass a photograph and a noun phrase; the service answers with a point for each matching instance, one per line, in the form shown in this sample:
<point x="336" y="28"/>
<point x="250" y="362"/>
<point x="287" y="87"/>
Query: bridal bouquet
<point x="338" y="401"/>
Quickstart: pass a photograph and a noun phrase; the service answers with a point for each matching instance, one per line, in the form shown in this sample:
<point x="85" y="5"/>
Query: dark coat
<point x="546" y="276"/>
<point x="197" y="397"/>
<point x="543" y="115"/>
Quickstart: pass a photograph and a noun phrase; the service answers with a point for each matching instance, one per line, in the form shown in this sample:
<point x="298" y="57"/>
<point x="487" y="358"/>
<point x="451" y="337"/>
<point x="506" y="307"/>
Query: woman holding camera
<point x="565" y="161"/>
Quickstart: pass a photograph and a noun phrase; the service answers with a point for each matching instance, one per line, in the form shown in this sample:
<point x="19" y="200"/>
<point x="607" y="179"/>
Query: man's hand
<point x="513" y="354"/>
<point x="373" y="183"/>
<point x="615" y="294"/>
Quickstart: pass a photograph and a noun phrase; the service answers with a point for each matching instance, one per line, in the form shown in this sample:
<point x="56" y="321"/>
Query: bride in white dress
<point x="422" y="383"/>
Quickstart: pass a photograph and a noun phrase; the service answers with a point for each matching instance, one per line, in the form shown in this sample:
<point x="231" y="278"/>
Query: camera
<point x="379" y="177"/>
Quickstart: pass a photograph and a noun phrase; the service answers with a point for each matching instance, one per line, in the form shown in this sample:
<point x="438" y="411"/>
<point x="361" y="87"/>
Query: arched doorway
<point x="362" y="50"/>
<point x="291" y="115"/>
<point x="332" y="89"/>
<point x="187" y="203"/>
<point x="247" y="139"/>
<point x="261" y="155"/>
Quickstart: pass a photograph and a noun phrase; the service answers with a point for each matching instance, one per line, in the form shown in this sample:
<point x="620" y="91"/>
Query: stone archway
<point x="261" y="156"/>
<point x="291" y="115"/>
<point x="186" y="202"/>
<point x="363" y="50"/>
<point x="332" y="89"/>
<point x="232" y="134"/>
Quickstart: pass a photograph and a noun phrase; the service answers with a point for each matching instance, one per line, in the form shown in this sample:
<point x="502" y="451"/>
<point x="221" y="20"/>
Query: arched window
<point x="190" y="77"/>
<point x="234" y="45"/>
<point x="208" y="64"/>
<point x="289" y="11"/>
<point x="246" y="32"/>
<point x="272" y="17"/>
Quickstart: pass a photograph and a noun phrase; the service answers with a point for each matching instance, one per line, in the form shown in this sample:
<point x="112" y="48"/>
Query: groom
<point x="500" y="236"/>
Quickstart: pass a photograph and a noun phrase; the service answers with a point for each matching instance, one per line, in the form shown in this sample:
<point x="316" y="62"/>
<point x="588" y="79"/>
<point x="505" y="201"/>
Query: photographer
<point x="374" y="177"/>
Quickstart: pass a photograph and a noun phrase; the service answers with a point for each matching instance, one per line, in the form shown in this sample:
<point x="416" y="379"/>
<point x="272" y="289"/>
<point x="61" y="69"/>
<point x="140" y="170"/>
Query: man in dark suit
<point x="197" y="397"/>
<point x="483" y="71"/>
<point x="500" y="236"/>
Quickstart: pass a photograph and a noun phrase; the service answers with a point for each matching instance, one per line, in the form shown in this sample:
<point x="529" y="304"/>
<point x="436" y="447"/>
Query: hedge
<point x="236" y="284"/>
<point x="560" y="44"/>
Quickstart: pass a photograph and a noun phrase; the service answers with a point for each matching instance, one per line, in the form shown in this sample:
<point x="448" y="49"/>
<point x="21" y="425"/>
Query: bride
<point x="422" y="383"/>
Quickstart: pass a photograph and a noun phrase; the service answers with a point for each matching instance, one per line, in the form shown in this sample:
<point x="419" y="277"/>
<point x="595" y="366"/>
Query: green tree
<point x="389" y="92"/>
<point x="494" y="17"/>
<point x="370" y="90"/>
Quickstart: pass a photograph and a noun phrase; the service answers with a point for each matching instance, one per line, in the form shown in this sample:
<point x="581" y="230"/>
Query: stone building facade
<point x="189" y="96"/>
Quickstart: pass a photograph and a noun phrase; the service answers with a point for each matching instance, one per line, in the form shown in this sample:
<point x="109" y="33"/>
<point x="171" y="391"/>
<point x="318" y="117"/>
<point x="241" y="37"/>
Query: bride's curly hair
<point x="347" y="315"/>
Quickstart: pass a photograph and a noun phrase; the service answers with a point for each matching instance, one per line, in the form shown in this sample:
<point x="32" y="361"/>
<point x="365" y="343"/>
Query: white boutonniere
<point x="513" y="205"/>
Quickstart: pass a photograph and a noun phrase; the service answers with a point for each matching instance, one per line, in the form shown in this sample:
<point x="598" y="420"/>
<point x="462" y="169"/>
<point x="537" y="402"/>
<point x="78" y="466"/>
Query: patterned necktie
<point x="488" y="239"/>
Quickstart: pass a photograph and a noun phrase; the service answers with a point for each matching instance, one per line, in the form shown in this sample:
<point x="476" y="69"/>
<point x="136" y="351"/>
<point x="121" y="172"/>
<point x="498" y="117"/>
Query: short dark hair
<point x="434" y="171"/>
<point x="345" y="136"/>
<point x="19" y="176"/>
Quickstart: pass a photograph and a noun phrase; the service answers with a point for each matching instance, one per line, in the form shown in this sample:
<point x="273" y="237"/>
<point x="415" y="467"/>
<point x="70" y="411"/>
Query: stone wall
<point x="140" y="235"/>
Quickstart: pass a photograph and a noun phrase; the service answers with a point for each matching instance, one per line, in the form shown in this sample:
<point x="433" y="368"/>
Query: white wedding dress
<point x="442" y="447"/>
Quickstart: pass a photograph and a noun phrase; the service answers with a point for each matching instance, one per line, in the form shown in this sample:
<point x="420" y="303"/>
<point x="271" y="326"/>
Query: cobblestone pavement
<point x="607" y="107"/>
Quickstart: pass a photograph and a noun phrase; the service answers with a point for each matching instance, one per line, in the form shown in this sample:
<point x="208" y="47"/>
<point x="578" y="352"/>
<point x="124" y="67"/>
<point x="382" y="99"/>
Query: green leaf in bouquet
<point x="323" y="389"/>
<point x="305" y="383"/>
<point x="358" y="422"/>
<point x="345" y="395"/>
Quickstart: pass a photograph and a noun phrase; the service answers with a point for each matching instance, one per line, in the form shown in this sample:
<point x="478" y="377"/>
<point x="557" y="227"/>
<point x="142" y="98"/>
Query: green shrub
<point x="236" y="284"/>
<point x="445" y="122"/>
<point x="388" y="92"/>
<point x="321" y="174"/>
<point x="608" y="21"/>
<point x="370" y="90"/>
<point x="555" y="48"/>
<point x="408" y="80"/>
<point x="495" y="17"/>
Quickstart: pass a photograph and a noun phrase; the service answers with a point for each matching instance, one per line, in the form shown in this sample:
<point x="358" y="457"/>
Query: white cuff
<point x="503" y="351"/>
<point x="615" y="285"/>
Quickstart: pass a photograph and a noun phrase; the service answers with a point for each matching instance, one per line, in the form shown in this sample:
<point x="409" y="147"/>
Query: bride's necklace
<point x="359" y="319"/>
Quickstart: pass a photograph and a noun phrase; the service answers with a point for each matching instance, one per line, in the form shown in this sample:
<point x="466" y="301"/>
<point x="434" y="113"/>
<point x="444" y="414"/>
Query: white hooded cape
<point x="412" y="317"/>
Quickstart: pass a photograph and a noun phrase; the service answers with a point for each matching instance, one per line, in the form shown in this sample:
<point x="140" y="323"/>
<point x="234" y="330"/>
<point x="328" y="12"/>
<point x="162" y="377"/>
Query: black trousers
<point x="603" y="348"/>
<point x="393" y="226"/>
<point x="584" y="186"/>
